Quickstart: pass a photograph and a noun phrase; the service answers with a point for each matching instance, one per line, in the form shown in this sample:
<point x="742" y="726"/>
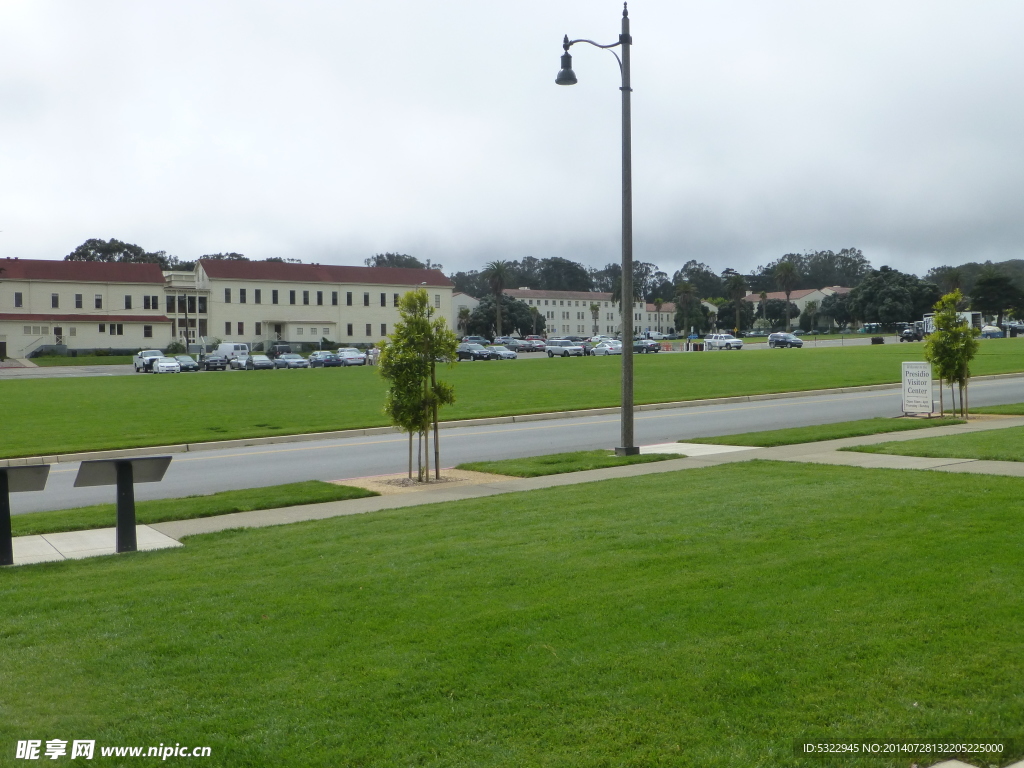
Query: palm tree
<point x="534" y="314"/>
<point x="498" y="274"/>
<point x="657" y="308"/>
<point x="685" y="293"/>
<point x="736" y="288"/>
<point x="463" y="322"/>
<point x="764" y="305"/>
<point x="786" y="277"/>
<point x="595" y="309"/>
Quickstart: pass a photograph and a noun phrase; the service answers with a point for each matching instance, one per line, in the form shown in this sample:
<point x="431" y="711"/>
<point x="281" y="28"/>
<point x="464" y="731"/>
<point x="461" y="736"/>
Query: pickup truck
<point x="144" y="360"/>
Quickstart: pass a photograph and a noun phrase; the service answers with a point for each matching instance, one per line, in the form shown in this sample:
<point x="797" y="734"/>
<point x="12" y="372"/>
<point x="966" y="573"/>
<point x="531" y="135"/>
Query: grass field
<point x="991" y="445"/>
<point x="559" y="463"/>
<point x="1013" y="409"/>
<point x="699" y="618"/>
<point x="837" y="431"/>
<point x="45" y="416"/>
<point x="162" y="510"/>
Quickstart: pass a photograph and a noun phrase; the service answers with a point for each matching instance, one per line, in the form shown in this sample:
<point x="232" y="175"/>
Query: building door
<point x="277" y="331"/>
<point x="3" y="350"/>
<point x="59" y="333"/>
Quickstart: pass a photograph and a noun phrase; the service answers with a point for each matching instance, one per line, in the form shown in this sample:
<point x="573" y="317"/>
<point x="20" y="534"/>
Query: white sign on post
<point x="917" y="387"/>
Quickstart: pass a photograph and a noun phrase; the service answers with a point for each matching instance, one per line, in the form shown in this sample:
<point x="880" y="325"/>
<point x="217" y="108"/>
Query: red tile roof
<point x="47" y="317"/>
<point x="668" y="306"/>
<point x="781" y="295"/>
<point x="80" y="271"/>
<point x="321" y="273"/>
<point x="526" y="293"/>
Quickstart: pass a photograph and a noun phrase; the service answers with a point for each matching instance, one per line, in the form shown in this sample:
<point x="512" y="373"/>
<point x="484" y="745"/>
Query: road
<point x="210" y="471"/>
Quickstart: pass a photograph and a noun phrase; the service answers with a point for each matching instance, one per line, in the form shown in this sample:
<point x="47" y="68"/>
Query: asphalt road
<point x="210" y="471"/>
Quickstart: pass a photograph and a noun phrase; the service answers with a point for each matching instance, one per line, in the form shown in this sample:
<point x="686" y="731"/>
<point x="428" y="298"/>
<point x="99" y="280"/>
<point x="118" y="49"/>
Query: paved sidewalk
<point x="76" y="544"/>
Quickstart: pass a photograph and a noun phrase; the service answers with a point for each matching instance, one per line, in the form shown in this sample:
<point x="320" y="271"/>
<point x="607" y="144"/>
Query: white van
<point x="231" y="350"/>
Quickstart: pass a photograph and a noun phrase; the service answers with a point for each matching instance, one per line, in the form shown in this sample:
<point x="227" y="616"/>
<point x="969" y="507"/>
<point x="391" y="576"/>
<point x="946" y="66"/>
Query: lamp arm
<point x="568" y="43"/>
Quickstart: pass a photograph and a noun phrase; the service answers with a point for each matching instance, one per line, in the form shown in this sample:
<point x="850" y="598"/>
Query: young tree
<point x="408" y="360"/>
<point x="951" y="347"/>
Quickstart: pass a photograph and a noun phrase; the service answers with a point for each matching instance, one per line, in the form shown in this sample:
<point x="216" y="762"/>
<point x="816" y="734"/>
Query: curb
<point x="159" y="450"/>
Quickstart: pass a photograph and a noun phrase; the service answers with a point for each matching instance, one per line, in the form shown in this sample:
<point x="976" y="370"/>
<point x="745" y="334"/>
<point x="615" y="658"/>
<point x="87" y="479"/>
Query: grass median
<point x="707" y="618"/>
<point x="837" y="431"/>
<point x="187" y="508"/>
<point x="990" y="445"/>
<point x="559" y="463"/>
<point x="49" y="416"/>
<point x="49" y="362"/>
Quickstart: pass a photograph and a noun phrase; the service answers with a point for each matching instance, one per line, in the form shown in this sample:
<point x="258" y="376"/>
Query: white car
<point x="145" y="358"/>
<point x="351" y="356"/>
<point x="504" y="353"/>
<point x="610" y="347"/>
<point x="166" y="365"/>
<point x="563" y="348"/>
<point x="722" y="341"/>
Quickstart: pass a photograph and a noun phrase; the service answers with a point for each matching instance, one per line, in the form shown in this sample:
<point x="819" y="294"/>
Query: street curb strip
<point x="158" y="450"/>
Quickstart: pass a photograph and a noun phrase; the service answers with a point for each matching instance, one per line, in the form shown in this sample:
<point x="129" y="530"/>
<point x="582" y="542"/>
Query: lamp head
<point x="565" y="75"/>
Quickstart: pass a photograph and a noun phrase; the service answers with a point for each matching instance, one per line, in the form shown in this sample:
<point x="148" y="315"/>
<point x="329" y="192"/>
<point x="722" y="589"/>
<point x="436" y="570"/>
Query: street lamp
<point x="567" y="77"/>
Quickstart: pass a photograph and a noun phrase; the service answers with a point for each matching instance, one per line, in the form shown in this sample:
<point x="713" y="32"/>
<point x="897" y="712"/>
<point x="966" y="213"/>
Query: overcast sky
<point x="329" y="131"/>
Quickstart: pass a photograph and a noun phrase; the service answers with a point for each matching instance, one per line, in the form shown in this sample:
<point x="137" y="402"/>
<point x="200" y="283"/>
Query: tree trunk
<point x="437" y="447"/>
<point x="942" y="410"/>
<point x="410" y="455"/>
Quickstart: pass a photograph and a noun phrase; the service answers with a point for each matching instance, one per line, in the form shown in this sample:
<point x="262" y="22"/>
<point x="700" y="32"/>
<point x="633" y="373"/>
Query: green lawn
<point x="44" y="416"/>
<point x="45" y="362"/>
<point x="162" y="510"/>
<point x="558" y="463"/>
<point x="1014" y="409"/>
<point x="706" y="618"/>
<point x="836" y="431"/>
<point x="992" y="445"/>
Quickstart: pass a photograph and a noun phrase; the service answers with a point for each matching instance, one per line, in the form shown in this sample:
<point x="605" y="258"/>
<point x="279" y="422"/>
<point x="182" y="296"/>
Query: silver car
<point x="563" y="348"/>
<point x="351" y="356"/>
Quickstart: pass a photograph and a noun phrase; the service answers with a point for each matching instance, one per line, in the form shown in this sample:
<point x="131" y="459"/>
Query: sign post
<point x="917" y="388"/>
<point x="16" y="480"/>
<point x="124" y="473"/>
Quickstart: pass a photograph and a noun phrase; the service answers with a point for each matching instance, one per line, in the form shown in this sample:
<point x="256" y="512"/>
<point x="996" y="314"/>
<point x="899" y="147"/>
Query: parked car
<point x="187" y="363"/>
<point x="213" y="362"/>
<point x="277" y="350"/>
<point x="474" y="352"/>
<point x="563" y="348"/>
<point x="259" y="363"/>
<point x="655" y="335"/>
<point x="291" y="360"/>
<point x="784" y="340"/>
<point x="475" y="340"/>
<point x="911" y="334"/>
<point x="519" y="345"/>
<point x="351" y="356"/>
<point x="504" y="353"/>
<point x="145" y="358"/>
<point x="232" y="349"/>
<point x="645" y="346"/>
<point x="237" y="362"/>
<point x="316" y="359"/>
<point x="536" y="345"/>
<point x="607" y="347"/>
<point x="166" y="365"/>
<point x="503" y="341"/>
<point x="722" y="341"/>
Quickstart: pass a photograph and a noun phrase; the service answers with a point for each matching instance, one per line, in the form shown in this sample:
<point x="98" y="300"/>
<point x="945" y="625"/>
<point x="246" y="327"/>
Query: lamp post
<point x="567" y="77"/>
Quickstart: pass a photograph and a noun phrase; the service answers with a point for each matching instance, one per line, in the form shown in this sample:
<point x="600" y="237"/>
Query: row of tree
<point x="117" y="251"/>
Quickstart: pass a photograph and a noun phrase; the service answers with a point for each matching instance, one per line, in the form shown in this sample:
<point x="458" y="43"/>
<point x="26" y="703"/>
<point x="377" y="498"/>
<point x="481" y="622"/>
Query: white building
<point x="578" y="313"/>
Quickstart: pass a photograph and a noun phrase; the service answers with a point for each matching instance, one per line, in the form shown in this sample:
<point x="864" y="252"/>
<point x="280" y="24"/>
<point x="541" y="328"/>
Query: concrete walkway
<point x="76" y="544"/>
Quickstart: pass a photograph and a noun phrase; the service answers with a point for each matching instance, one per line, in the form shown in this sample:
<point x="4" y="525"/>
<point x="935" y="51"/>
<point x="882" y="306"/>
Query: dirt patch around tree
<point x="386" y="485"/>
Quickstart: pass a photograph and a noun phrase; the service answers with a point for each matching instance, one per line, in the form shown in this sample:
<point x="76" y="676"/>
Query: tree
<point x="595" y="310"/>
<point x="395" y="260"/>
<point x="124" y="253"/>
<point x="705" y="282"/>
<point x="736" y="289"/>
<point x="808" y="316"/>
<point x="408" y="360"/>
<point x="786" y="277"/>
<point x="952" y="346"/>
<point x="498" y="275"/>
<point x="775" y="312"/>
<point x="837" y="307"/>
<point x="889" y="296"/>
<point x="737" y="310"/>
<point x="658" y="302"/>
<point x="994" y="293"/>
<point x="557" y="274"/>
<point x="690" y="313"/>
<point x="463" y="320"/>
<point x="516" y="316"/>
<point x="535" y="318"/>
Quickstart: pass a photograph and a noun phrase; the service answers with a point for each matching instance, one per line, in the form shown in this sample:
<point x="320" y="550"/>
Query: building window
<point x="227" y="328"/>
<point x="154" y="302"/>
<point x="298" y="331"/>
<point x="103" y="328"/>
<point x="327" y="332"/>
<point x="182" y="304"/>
<point x="273" y="296"/>
<point x="369" y="329"/>
<point x="319" y="298"/>
<point x="366" y="300"/>
<point x="127" y="302"/>
<point x="241" y="329"/>
<point x="348" y="328"/>
<point x="348" y="300"/>
<point x="147" y="331"/>
<point x="383" y="329"/>
<point x="170" y="305"/>
<point x="257" y="297"/>
<point x="202" y="305"/>
<point x="334" y="298"/>
<point x="145" y="302"/>
<point x="305" y="297"/>
<point x="78" y="301"/>
<point x="259" y="329"/>
<point x="74" y="331"/>
<point x="28" y="330"/>
<point x="312" y="331"/>
<point x="437" y="300"/>
<point x="117" y="329"/>
<point x="241" y="295"/>
<point x="227" y="295"/>
<point x="98" y="301"/>
<point x="395" y="297"/>
<point x="291" y="297"/>
<point x="18" y="300"/>
<point x="383" y="299"/>
<point x="55" y="300"/>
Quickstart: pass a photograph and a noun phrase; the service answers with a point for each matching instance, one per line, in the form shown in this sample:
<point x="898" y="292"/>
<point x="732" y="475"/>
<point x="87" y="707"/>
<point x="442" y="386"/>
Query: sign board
<point x="917" y="387"/>
<point x="104" y="472"/>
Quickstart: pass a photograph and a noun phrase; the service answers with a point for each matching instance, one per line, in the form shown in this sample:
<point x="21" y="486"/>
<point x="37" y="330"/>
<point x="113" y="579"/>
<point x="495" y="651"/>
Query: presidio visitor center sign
<point x="917" y="388"/>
